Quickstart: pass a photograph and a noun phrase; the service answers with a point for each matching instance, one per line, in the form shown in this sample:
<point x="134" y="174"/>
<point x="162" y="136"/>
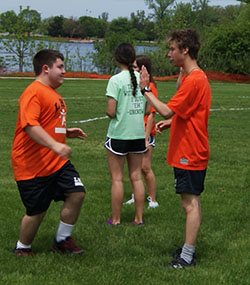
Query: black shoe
<point x="179" y="262"/>
<point x="178" y="251"/>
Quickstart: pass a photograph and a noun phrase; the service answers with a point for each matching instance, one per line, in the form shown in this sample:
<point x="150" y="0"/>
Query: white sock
<point x="187" y="252"/>
<point x="63" y="231"/>
<point x="21" y="245"/>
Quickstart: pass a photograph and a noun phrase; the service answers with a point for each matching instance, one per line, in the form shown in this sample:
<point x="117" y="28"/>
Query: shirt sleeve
<point x="30" y="109"/>
<point x="112" y="89"/>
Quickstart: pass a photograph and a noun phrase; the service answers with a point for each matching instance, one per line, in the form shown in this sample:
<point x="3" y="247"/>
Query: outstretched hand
<point x="144" y="77"/>
<point x="76" y="133"/>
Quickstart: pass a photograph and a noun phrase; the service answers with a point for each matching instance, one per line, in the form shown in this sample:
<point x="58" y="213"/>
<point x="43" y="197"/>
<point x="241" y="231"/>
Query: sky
<point x="92" y="8"/>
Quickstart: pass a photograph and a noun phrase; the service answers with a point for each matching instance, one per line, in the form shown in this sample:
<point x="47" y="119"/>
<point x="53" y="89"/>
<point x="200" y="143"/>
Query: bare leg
<point x="29" y="227"/>
<point x="71" y="207"/>
<point x="192" y="208"/>
<point x="116" y="168"/>
<point x="134" y="168"/>
<point x="149" y="174"/>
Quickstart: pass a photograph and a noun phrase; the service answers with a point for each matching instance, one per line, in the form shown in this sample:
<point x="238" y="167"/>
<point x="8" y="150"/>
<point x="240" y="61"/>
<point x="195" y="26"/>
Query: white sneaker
<point x="151" y="203"/>
<point x="131" y="201"/>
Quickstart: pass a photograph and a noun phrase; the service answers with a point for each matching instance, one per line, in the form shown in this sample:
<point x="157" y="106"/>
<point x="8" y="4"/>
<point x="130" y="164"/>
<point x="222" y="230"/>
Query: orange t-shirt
<point x="39" y="105"/>
<point x="152" y="110"/>
<point x="188" y="143"/>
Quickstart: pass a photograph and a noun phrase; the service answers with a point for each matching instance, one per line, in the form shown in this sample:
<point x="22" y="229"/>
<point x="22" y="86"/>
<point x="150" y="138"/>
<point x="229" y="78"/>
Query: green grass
<point x="129" y="254"/>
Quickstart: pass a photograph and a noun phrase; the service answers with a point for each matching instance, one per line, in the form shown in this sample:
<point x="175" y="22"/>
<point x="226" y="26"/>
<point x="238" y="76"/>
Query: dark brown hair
<point x="186" y="39"/>
<point x="125" y="54"/>
<point x="45" y="56"/>
<point x="145" y="60"/>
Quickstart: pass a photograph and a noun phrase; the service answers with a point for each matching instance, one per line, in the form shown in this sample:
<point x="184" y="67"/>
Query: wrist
<point x="145" y="89"/>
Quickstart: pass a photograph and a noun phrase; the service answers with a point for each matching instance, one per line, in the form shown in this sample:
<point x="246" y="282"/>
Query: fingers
<point x="62" y="150"/>
<point x="65" y="152"/>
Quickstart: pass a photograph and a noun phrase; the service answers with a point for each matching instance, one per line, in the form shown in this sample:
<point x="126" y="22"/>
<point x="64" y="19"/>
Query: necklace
<point x="193" y="69"/>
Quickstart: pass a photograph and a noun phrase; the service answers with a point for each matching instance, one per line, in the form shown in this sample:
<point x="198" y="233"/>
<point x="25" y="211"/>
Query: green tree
<point x="183" y="16"/>
<point x="27" y="21"/>
<point x="44" y="26"/>
<point x="138" y="20"/>
<point x="160" y="8"/>
<point x="103" y="58"/>
<point x="161" y="14"/>
<point x="55" y="27"/>
<point x="18" y="47"/>
<point x="149" y="30"/>
<point x="8" y="19"/>
<point x="142" y="27"/>
<point x="93" y="27"/>
<point x="226" y="45"/>
<point x="2" y="64"/>
<point x="72" y="28"/>
<point x="31" y="20"/>
<point x="161" y="66"/>
<point x="120" y="25"/>
<point x="104" y="16"/>
<point x="245" y="1"/>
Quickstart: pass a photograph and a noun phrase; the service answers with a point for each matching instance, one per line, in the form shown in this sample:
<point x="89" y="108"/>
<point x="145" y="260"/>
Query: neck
<point x="189" y="66"/>
<point x="43" y="81"/>
<point x="122" y="66"/>
<point x="194" y="68"/>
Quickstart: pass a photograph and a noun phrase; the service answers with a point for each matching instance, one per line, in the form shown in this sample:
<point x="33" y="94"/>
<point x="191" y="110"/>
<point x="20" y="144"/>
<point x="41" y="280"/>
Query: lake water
<point x="77" y="55"/>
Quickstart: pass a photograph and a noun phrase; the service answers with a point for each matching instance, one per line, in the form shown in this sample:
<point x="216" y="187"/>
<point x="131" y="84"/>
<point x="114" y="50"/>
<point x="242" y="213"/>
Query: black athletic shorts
<point x="124" y="147"/>
<point x="189" y="181"/>
<point x="37" y="193"/>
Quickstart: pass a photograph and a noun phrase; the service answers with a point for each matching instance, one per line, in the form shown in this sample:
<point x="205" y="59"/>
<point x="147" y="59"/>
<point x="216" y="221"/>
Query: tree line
<point x="224" y="32"/>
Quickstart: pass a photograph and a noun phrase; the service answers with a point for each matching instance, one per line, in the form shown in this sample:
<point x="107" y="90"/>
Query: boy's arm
<point x="40" y="136"/>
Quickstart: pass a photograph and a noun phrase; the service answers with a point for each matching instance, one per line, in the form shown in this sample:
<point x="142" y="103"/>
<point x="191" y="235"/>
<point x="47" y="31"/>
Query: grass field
<point x="129" y="254"/>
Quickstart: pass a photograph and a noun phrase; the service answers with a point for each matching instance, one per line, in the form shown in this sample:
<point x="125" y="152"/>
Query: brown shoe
<point x="66" y="246"/>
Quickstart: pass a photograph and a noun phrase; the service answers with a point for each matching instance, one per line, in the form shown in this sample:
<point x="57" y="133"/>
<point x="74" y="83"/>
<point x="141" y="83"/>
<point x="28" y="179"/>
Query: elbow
<point x="110" y="114"/>
<point x="166" y="115"/>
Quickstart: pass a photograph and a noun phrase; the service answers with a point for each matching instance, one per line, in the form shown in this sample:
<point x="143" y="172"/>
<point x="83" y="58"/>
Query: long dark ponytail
<point x="125" y="54"/>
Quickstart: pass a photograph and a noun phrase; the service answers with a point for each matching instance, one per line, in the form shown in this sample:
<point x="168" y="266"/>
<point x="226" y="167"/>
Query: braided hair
<point x="125" y="54"/>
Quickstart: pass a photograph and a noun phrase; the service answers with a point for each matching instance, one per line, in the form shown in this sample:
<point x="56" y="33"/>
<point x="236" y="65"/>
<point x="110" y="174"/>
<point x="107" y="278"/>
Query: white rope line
<point x="89" y="120"/>
<point x="230" y="109"/>
<point x="105" y="117"/>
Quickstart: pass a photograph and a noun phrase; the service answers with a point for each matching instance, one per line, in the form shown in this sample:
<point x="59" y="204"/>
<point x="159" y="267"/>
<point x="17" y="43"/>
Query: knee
<point x="78" y="197"/>
<point x="135" y="177"/>
<point x="187" y="207"/>
<point x="190" y="206"/>
<point x="145" y="170"/>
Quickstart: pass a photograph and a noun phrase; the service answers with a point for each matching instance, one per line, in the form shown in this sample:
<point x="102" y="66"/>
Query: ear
<point x="185" y="51"/>
<point x="45" y="68"/>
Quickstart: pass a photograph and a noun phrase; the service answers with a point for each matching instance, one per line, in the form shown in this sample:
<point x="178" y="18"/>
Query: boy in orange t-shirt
<point x="40" y="156"/>
<point x="188" y="152"/>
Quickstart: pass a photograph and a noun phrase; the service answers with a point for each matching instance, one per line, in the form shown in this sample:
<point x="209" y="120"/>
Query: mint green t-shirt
<point x="128" y="123"/>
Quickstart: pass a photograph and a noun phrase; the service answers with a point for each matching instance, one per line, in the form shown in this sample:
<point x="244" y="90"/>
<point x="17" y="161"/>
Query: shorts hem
<point x="108" y="145"/>
<point x="124" y="154"/>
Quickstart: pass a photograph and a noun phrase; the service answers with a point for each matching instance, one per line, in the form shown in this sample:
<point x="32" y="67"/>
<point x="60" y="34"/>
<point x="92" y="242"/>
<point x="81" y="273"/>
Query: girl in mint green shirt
<point x="126" y="135"/>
